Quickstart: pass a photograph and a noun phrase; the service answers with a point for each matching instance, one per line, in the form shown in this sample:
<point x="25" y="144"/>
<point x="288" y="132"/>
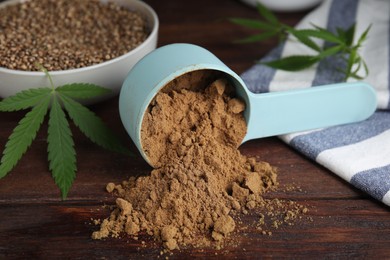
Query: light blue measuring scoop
<point x="267" y="114"/>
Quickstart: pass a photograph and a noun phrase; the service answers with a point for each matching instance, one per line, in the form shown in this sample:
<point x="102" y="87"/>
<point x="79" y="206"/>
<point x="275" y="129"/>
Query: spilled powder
<point x="201" y="181"/>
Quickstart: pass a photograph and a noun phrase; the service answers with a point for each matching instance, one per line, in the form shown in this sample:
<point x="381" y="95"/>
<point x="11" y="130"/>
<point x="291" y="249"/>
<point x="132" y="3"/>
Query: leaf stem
<point x="47" y="74"/>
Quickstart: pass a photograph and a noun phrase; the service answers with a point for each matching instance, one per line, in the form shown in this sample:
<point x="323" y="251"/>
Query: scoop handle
<point x="278" y="113"/>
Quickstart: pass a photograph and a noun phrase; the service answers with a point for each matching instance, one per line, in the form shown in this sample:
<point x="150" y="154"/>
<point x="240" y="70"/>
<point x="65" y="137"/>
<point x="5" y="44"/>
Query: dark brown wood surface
<point x="34" y="222"/>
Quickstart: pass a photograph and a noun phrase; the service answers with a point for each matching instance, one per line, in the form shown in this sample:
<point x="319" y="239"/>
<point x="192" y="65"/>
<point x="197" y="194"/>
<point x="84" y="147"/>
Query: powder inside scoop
<point x="201" y="180"/>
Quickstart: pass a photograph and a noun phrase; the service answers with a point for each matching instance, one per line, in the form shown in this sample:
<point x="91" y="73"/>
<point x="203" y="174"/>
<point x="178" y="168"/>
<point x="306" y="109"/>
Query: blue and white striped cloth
<point x="360" y="152"/>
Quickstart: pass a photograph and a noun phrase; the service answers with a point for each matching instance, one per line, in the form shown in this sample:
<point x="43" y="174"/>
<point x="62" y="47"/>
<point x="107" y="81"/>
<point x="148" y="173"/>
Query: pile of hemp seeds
<point x="67" y="34"/>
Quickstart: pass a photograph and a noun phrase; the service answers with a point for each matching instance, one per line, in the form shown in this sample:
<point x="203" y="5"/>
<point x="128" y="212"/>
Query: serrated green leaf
<point x="82" y="90"/>
<point x="257" y="37"/>
<point x="341" y="43"/>
<point x="322" y="33"/>
<point x="267" y="14"/>
<point x="24" y="99"/>
<point x="355" y="76"/>
<point x="92" y="126"/>
<point x="253" y="24"/>
<point x="341" y="34"/>
<point x="305" y="39"/>
<point x="366" y="70"/>
<point x="350" y="62"/>
<point x="354" y="72"/>
<point x="358" y="59"/>
<point x="330" y="51"/>
<point x="357" y="68"/>
<point x="363" y="37"/>
<point x="292" y="63"/>
<point x="22" y="136"/>
<point x="61" y="152"/>
<point x="349" y="35"/>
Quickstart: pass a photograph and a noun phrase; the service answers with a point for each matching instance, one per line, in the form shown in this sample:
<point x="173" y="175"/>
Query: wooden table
<point x="35" y="223"/>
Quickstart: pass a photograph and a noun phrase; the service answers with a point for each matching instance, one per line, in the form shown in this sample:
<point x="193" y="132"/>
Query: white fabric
<point x="360" y="152"/>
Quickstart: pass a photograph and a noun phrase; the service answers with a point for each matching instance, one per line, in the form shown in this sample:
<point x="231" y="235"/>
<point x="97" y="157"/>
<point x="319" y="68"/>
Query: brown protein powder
<point x="66" y="34"/>
<point x="201" y="181"/>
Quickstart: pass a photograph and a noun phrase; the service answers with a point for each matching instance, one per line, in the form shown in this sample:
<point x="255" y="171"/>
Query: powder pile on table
<point x="201" y="180"/>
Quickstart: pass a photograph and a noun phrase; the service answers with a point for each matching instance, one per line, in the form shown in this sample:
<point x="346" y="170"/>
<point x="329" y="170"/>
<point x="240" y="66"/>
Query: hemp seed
<point x="67" y="34"/>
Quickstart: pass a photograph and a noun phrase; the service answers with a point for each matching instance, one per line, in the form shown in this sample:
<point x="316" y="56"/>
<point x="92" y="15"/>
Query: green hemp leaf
<point x="61" y="151"/>
<point x="339" y="44"/>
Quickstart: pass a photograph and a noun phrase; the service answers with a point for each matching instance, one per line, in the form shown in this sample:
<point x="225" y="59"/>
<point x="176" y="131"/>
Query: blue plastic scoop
<point x="267" y="114"/>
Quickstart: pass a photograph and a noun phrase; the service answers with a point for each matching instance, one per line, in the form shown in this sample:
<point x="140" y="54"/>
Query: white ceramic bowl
<point x="284" y="5"/>
<point x="109" y="74"/>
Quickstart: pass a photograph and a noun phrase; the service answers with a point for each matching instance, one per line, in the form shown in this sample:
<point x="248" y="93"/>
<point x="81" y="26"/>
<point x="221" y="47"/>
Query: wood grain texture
<point x="345" y="223"/>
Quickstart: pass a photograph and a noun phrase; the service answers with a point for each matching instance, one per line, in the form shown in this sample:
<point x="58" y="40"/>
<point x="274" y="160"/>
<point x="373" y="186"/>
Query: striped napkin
<point x="359" y="152"/>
